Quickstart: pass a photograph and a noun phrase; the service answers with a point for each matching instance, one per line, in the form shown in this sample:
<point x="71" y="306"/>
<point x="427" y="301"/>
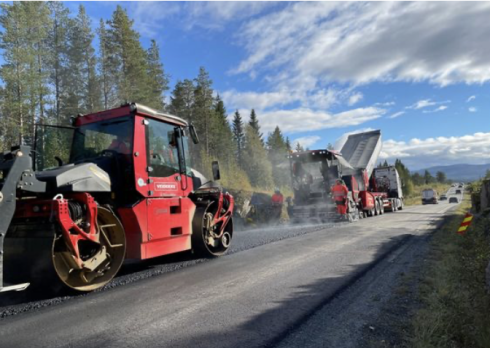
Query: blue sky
<point x="417" y="71"/>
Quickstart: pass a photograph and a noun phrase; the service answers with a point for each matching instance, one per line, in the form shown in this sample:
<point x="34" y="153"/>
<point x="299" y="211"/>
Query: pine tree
<point x="238" y="137"/>
<point x="441" y="177"/>
<point x="330" y="147"/>
<point x="428" y="178"/>
<point x="58" y="44"/>
<point x="158" y="80"/>
<point x="83" y="88"/>
<point x="255" y="161"/>
<point x="24" y="73"/>
<point x="107" y="68"/>
<point x="417" y="179"/>
<point x="128" y="58"/>
<point x="203" y="107"/>
<point x="299" y="148"/>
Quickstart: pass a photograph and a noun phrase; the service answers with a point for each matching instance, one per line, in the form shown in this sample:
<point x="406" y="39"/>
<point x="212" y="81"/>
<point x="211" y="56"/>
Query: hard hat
<point x="276" y="190"/>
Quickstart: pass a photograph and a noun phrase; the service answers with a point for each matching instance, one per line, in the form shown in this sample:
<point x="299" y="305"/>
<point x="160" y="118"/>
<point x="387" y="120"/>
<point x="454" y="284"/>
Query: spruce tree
<point x="238" y="137"/>
<point x="255" y="161"/>
<point x="158" y="80"/>
<point x="182" y="100"/>
<point x="222" y="140"/>
<point x="254" y="123"/>
<point x="277" y="152"/>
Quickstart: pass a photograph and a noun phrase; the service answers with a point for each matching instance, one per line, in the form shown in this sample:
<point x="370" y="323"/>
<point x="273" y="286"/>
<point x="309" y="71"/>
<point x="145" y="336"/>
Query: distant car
<point x="443" y="198"/>
<point x="458" y="192"/>
<point x="453" y="200"/>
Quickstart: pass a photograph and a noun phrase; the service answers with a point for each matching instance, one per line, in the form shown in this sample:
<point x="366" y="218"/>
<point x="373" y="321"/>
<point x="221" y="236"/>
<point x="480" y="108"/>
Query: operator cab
<point x="145" y="153"/>
<point x="313" y="172"/>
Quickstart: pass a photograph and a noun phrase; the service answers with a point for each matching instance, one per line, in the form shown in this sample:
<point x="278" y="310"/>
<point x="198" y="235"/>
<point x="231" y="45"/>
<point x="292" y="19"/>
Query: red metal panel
<point x="367" y="200"/>
<point x="134" y="220"/>
<point x="169" y="225"/>
<point x="103" y="115"/>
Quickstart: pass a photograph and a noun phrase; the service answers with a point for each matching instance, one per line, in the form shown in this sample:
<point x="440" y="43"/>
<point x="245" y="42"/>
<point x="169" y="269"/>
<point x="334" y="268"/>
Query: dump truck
<point x="371" y="191"/>
<point x="116" y="185"/>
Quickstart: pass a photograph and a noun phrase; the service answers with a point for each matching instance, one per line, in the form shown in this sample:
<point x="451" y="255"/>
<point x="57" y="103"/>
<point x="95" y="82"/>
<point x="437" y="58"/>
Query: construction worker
<point x="340" y="192"/>
<point x="277" y="197"/>
<point x="277" y="202"/>
<point x="121" y="144"/>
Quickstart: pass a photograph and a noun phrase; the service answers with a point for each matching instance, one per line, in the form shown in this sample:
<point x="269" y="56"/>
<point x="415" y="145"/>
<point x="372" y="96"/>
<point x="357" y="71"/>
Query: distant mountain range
<point x="459" y="172"/>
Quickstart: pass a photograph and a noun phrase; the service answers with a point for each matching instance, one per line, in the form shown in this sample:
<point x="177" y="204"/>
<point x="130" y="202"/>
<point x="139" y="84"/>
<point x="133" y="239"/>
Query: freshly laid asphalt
<point x="251" y="298"/>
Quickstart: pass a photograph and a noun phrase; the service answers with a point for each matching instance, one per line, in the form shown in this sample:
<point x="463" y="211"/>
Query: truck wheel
<point x="401" y="205"/>
<point x="381" y="207"/>
<point x="208" y="241"/>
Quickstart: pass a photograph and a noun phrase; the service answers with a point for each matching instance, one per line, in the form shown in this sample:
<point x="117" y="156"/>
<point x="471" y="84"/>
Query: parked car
<point x="443" y="198"/>
<point x="453" y="200"/>
<point x="458" y="192"/>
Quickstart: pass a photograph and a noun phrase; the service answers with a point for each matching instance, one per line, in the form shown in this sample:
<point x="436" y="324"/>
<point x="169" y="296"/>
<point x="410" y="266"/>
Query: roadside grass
<point x="454" y="303"/>
<point x="416" y="196"/>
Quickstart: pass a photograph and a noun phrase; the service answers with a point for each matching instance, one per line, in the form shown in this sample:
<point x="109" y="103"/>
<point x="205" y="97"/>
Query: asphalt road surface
<point x="253" y="297"/>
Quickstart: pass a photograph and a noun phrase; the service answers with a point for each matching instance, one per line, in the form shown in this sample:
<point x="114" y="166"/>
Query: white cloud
<point x="215" y="14"/>
<point x="361" y="42"/>
<point x="385" y="104"/>
<point x="150" y="16"/>
<point x="440" y="108"/>
<point x="471" y="98"/>
<point x="355" y="98"/>
<point x="426" y="103"/>
<point x="472" y="109"/>
<point x="304" y="119"/>
<point x="306" y="141"/>
<point x="257" y="100"/>
<point x="397" y="114"/>
<point x="423" y="153"/>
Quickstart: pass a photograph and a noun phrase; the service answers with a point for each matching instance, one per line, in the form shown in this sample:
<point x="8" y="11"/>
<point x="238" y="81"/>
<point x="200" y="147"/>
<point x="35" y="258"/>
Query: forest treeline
<point x="52" y="71"/>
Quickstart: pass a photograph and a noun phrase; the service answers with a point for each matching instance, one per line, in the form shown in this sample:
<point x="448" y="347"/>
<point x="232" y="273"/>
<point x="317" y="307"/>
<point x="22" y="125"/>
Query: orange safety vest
<point x="277" y="198"/>
<point x="339" y="192"/>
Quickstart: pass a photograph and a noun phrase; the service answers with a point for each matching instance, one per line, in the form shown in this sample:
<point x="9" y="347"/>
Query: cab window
<point x="162" y="155"/>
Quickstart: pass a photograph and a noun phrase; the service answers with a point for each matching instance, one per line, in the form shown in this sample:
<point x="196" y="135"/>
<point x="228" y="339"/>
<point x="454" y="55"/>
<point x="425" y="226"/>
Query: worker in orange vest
<point x="340" y="192"/>
<point x="277" y="202"/>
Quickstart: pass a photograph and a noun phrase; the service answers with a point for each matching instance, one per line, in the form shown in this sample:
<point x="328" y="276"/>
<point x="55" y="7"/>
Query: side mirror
<point x="193" y="134"/>
<point x="216" y="173"/>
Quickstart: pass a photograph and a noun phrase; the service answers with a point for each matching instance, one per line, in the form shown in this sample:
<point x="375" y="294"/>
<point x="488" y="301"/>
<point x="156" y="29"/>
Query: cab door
<point x="169" y="210"/>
